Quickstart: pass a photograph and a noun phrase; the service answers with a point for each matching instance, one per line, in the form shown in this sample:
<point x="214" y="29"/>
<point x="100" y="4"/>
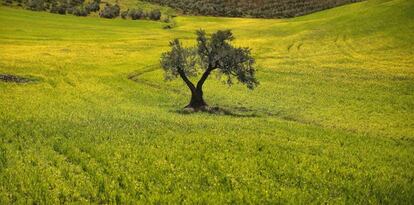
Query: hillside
<point x="252" y="8"/>
<point x="104" y="9"/>
<point x="93" y="120"/>
<point x="168" y="8"/>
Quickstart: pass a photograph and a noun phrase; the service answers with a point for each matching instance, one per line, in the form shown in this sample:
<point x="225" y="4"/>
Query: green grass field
<point x="332" y="121"/>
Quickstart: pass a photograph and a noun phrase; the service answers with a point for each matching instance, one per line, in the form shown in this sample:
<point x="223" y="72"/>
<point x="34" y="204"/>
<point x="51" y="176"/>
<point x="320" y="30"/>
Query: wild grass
<point x="332" y="122"/>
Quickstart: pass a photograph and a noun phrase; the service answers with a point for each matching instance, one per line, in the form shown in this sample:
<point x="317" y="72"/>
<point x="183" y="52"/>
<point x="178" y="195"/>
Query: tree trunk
<point x="197" y="101"/>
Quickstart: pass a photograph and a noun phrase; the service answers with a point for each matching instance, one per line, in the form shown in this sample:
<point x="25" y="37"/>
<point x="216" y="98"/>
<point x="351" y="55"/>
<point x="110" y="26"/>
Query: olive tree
<point x="212" y="54"/>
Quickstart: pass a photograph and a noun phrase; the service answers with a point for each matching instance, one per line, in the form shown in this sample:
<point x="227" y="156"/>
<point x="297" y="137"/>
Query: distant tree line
<point x="252" y="8"/>
<point x="75" y="7"/>
<point x="82" y="8"/>
<point x="136" y="14"/>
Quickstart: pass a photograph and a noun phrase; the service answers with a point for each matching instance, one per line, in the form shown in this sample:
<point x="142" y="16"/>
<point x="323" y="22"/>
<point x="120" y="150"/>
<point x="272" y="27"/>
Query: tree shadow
<point x="243" y="112"/>
<point x="221" y="111"/>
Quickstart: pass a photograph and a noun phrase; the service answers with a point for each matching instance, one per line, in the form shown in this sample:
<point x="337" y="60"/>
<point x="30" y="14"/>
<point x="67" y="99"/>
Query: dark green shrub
<point x="167" y="27"/>
<point x="110" y="11"/>
<point x="80" y="11"/>
<point x="58" y="9"/>
<point x="70" y="10"/>
<point x="124" y="14"/>
<point x="93" y="6"/>
<point x="35" y="5"/>
<point x="7" y="2"/>
<point x="155" y="15"/>
<point x="75" y="3"/>
<point x="136" y="14"/>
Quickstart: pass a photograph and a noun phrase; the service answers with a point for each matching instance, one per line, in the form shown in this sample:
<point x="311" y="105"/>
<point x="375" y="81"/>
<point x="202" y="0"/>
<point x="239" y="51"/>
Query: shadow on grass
<point x="243" y="112"/>
<point x="220" y="111"/>
<point x="8" y="78"/>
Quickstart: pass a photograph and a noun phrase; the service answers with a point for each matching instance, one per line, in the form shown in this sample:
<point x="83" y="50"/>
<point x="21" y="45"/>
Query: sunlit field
<point x="331" y="122"/>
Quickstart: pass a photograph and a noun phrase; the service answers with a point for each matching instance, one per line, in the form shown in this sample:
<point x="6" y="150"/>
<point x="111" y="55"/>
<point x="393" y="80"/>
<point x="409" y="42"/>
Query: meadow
<point x="331" y="122"/>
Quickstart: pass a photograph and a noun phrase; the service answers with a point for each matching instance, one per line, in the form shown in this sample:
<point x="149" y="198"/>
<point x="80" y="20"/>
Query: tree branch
<point x="204" y="77"/>
<point x="186" y="80"/>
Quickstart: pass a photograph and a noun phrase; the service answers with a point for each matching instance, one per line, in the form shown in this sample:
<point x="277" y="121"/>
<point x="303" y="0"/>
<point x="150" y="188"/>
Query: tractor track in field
<point x="345" y="48"/>
<point x="135" y="76"/>
<point x="348" y="49"/>
<point x="64" y="155"/>
<point x="79" y="157"/>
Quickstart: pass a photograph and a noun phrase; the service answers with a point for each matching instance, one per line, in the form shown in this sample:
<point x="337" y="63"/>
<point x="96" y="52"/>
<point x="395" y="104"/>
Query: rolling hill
<point x="332" y="121"/>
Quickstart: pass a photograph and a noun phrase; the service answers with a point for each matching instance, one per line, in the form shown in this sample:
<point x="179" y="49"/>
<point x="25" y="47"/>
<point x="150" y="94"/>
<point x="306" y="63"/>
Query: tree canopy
<point x="214" y="53"/>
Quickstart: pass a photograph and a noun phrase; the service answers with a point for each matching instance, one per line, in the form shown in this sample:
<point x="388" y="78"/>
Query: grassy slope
<point x="334" y="113"/>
